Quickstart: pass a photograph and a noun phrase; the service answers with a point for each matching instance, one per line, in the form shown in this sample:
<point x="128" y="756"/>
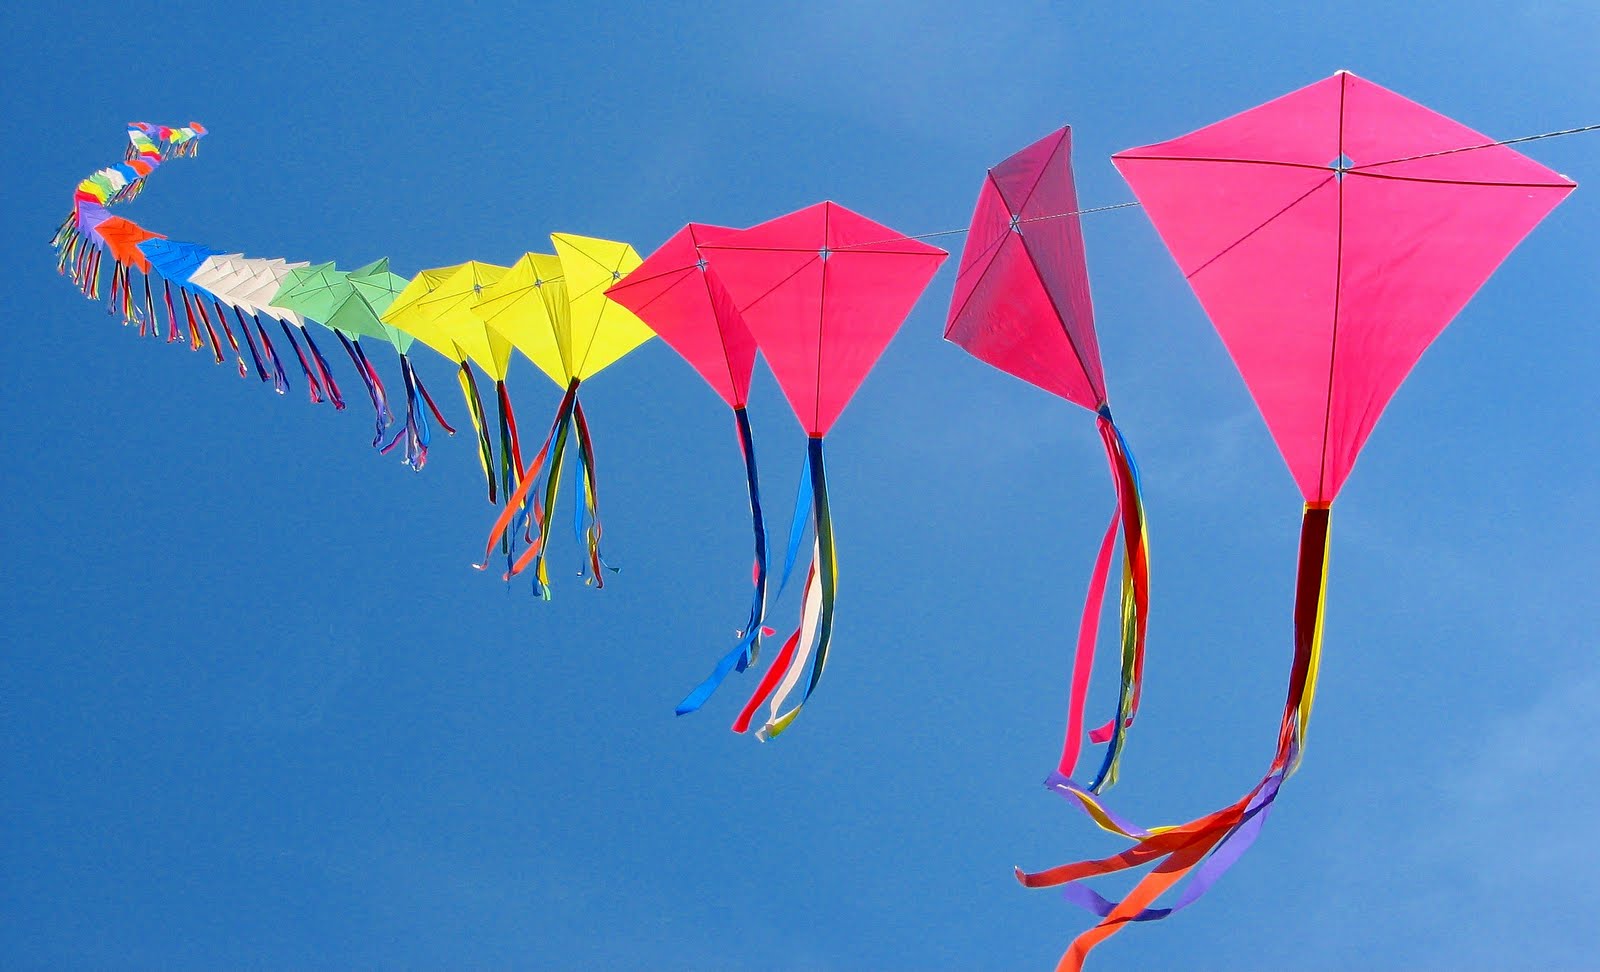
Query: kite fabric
<point x="553" y="308"/>
<point x="679" y="296"/>
<point x="1330" y="235"/>
<point x="823" y="290"/>
<point x="1021" y="303"/>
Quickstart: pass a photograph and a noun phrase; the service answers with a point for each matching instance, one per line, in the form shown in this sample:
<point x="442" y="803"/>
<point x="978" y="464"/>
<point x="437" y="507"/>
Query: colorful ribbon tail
<point x="1083" y="659"/>
<point x="527" y="488"/>
<point x="313" y="386"/>
<point x="324" y="373"/>
<point x="415" y="429"/>
<point x="469" y="391"/>
<point x="280" y="378"/>
<point x="745" y="653"/>
<point x="438" y="416"/>
<point x="813" y="658"/>
<point x="1134" y="603"/>
<point x="588" y="515"/>
<point x="1221" y="838"/>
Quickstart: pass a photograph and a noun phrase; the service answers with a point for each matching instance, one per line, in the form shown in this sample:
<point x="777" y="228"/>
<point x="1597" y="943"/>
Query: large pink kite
<point x="1021" y="303"/>
<point x="1330" y="235"/>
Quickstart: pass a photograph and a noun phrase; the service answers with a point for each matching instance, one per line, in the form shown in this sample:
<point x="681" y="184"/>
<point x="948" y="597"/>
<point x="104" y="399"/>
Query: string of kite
<point x="1330" y="235"/>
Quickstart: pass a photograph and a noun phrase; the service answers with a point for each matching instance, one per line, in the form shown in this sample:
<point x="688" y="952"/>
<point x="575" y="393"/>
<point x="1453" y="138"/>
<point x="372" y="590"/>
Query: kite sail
<point x="678" y="295"/>
<point x="1021" y="303"/>
<point x="1330" y="235"/>
<point x="822" y="290"/>
<point x="553" y="308"/>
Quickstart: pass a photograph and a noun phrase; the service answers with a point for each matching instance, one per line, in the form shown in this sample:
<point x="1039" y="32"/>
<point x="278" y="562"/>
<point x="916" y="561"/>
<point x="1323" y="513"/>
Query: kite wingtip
<point x="1020" y="875"/>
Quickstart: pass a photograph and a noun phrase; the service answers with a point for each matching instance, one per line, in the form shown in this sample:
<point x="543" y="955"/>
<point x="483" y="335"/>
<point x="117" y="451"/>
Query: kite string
<point x="1473" y="148"/>
<point x="954" y="232"/>
<point x="1129" y="205"/>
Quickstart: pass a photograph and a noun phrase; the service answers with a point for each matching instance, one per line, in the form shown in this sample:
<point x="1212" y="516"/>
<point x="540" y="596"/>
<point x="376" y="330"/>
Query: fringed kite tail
<point x="1127" y="522"/>
<point x="1134" y="603"/>
<point x="745" y="653"/>
<point x="433" y="407"/>
<point x="233" y="341"/>
<point x="250" y="341"/>
<point x="510" y="444"/>
<point x="807" y="649"/>
<point x="524" y="503"/>
<point x="540" y="545"/>
<point x="1205" y="848"/>
<point x="211" y="332"/>
<point x="469" y="391"/>
<point x="370" y="380"/>
<point x="587" y="514"/>
<point x="324" y="373"/>
<point x="280" y="380"/>
<point x="313" y="386"/>
<point x="415" y="429"/>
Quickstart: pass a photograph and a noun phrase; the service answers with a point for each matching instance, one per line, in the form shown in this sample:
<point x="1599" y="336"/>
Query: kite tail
<point x="211" y="332"/>
<point x="195" y="343"/>
<point x="587" y="520"/>
<point x="510" y="444"/>
<point x="437" y="415"/>
<point x="369" y="378"/>
<point x="149" y="310"/>
<point x="313" y="387"/>
<point x="233" y="341"/>
<point x="541" y="543"/>
<point x="172" y="317"/>
<point x="745" y="653"/>
<point x="817" y="609"/>
<point x="1134" y="602"/>
<point x="525" y="500"/>
<point x="415" y="428"/>
<point x="469" y="391"/>
<point x="1207" y="846"/>
<point x="324" y="373"/>
<point x="116" y="286"/>
<point x="280" y="380"/>
<point x="255" y="355"/>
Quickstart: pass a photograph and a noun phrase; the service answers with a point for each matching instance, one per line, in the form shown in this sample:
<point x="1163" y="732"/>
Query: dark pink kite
<point x="1330" y="235"/>
<point x="1021" y="303"/>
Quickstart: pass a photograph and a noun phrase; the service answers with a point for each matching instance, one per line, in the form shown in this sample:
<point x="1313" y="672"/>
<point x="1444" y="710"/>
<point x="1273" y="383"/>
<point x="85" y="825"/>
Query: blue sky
<point x="259" y="712"/>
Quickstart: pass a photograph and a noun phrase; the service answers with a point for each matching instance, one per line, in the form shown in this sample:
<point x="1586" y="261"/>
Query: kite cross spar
<point x="1330" y="235"/>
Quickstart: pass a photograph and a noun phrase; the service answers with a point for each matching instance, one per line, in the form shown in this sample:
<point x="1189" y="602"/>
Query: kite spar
<point x="1330" y="235"/>
<point x="1021" y="303"/>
